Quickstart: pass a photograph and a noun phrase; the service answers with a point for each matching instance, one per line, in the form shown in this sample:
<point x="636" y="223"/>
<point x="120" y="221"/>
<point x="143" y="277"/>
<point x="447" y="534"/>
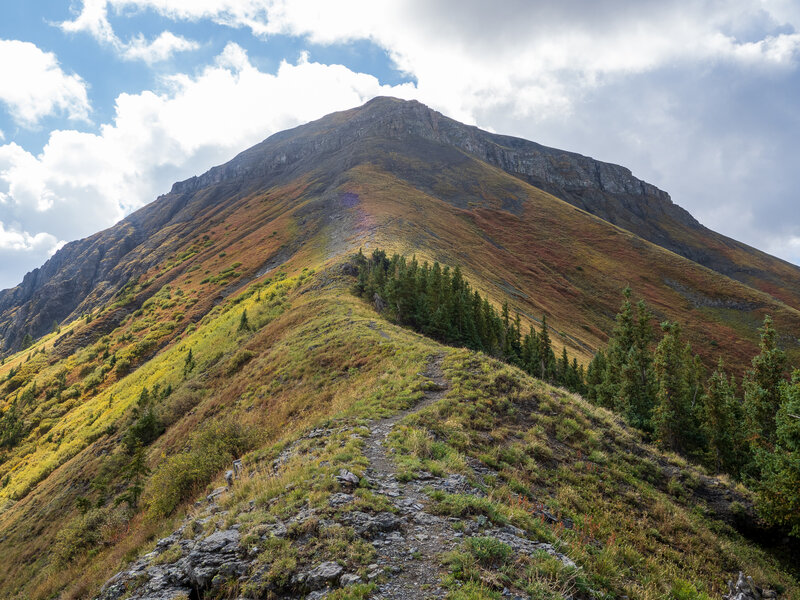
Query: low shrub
<point x="183" y="475"/>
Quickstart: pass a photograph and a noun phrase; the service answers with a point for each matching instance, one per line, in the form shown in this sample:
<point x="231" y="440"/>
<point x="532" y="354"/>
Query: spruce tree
<point x="506" y="327"/>
<point x="530" y="352"/>
<point x="135" y="472"/>
<point x="636" y="394"/>
<point x="595" y="374"/>
<point x="11" y="426"/>
<point x="516" y="340"/>
<point x="480" y="322"/>
<point x="672" y="415"/>
<point x="762" y="388"/>
<point x="546" y="356"/>
<point x="721" y="415"/>
<point x="27" y="341"/>
<point x="575" y="377"/>
<point x="623" y="378"/>
<point x="619" y="346"/>
<point x="779" y="486"/>
<point x="188" y="365"/>
<point x="492" y="342"/>
<point x="563" y="368"/>
<point x="244" y="325"/>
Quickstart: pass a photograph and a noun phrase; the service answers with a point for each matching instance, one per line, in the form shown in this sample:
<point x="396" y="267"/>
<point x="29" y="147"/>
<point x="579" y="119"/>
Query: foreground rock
<point x="198" y="566"/>
<point x="745" y="589"/>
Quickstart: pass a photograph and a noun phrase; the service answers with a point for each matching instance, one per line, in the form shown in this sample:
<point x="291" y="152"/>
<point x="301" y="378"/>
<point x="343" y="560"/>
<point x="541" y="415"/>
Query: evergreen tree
<point x="422" y="304"/>
<point x="563" y="368"/>
<point x="636" y="393"/>
<point x="595" y="374"/>
<point x="779" y="486"/>
<point x="516" y="340"/>
<point x="672" y="417"/>
<point x="762" y="385"/>
<point x="620" y="345"/>
<point x="439" y="302"/>
<point x="11" y="426"/>
<point x="135" y="472"/>
<point x="146" y="427"/>
<point x="546" y="356"/>
<point x="506" y="326"/>
<point x="27" y="341"/>
<point x="479" y="322"/>
<point x="188" y="365"/>
<point x="623" y="378"/>
<point x="575" y="378"/>
<point x="530" y="352"/>
<point x="721" y="415"/>
<point x="243" y="323"/>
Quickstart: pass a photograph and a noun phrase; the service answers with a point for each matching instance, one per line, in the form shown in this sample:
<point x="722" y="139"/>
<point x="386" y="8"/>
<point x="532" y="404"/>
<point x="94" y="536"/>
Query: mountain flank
<point x="439" y="160"/>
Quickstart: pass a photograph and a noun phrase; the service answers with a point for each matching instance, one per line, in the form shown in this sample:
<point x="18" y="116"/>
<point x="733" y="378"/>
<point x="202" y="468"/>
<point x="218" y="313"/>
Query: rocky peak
<point x="391" y="118"/>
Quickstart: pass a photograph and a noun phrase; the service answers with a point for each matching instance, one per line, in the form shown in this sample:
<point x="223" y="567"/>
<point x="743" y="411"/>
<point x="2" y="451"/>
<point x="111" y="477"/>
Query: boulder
<point x="323" y="574"/>
<point x="745" y="589"/>
<point x="347" y="478"/>
<point x="349" y="579"/>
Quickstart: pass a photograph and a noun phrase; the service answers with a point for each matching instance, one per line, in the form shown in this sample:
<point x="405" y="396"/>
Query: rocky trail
<point x="207" y="554"/>
<point x="412" y="550"/>
<point x="407" y="543"/>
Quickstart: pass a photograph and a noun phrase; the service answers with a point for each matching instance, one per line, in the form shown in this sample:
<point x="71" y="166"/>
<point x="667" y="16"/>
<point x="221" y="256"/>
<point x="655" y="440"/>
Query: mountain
<point x="392" y="156"/>
<point x="216" y="323"/>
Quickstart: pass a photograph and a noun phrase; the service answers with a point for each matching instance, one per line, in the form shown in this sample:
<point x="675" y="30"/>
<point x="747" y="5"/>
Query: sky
<point x="105" y="103"/>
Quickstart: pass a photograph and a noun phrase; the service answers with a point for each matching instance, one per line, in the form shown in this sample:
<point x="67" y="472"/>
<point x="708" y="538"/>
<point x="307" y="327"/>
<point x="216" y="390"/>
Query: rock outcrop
<point x="745" y="589"/>
<point x="198" y="565"/>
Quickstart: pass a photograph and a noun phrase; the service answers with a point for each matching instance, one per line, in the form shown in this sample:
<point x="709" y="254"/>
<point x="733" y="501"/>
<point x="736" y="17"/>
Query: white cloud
<point x="83" y="182"/>
<point x="22" y="240"/>
<point x="160" y="49"/>
<point x="536" y="57"/>
<point x="33" y="85"/>
<point x="93" y="19"/>
<point x="20" y="247"/>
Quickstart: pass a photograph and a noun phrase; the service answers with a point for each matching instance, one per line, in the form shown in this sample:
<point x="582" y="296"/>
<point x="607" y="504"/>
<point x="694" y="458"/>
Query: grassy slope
<point x="553" y="258"/>
<point x="320" y="354"/>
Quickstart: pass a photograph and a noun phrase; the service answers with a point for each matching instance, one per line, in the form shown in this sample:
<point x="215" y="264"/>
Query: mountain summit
<point x="395" y="169"/>
<point x="217" y="397"/>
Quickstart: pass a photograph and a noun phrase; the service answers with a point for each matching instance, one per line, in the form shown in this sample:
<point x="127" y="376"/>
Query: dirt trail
<point x="413" y="552"/>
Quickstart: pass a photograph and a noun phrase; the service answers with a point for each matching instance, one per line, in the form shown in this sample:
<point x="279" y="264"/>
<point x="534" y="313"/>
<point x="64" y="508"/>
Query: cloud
<point x="84" y="182"/>
<point x="33" y="85"/>
<point x="93" y="19"/>
<point x="470" y="54"/>
<point x="22" y="240"/>
<point x="160" y="49"/>
<point x="16" y="246"/>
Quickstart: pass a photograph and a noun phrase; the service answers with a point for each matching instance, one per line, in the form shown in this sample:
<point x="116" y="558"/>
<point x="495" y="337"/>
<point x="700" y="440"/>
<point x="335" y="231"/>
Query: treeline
<point x="750" y="431"/>
<point x="658" y="384"/>
<point x="440" y="303"/>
